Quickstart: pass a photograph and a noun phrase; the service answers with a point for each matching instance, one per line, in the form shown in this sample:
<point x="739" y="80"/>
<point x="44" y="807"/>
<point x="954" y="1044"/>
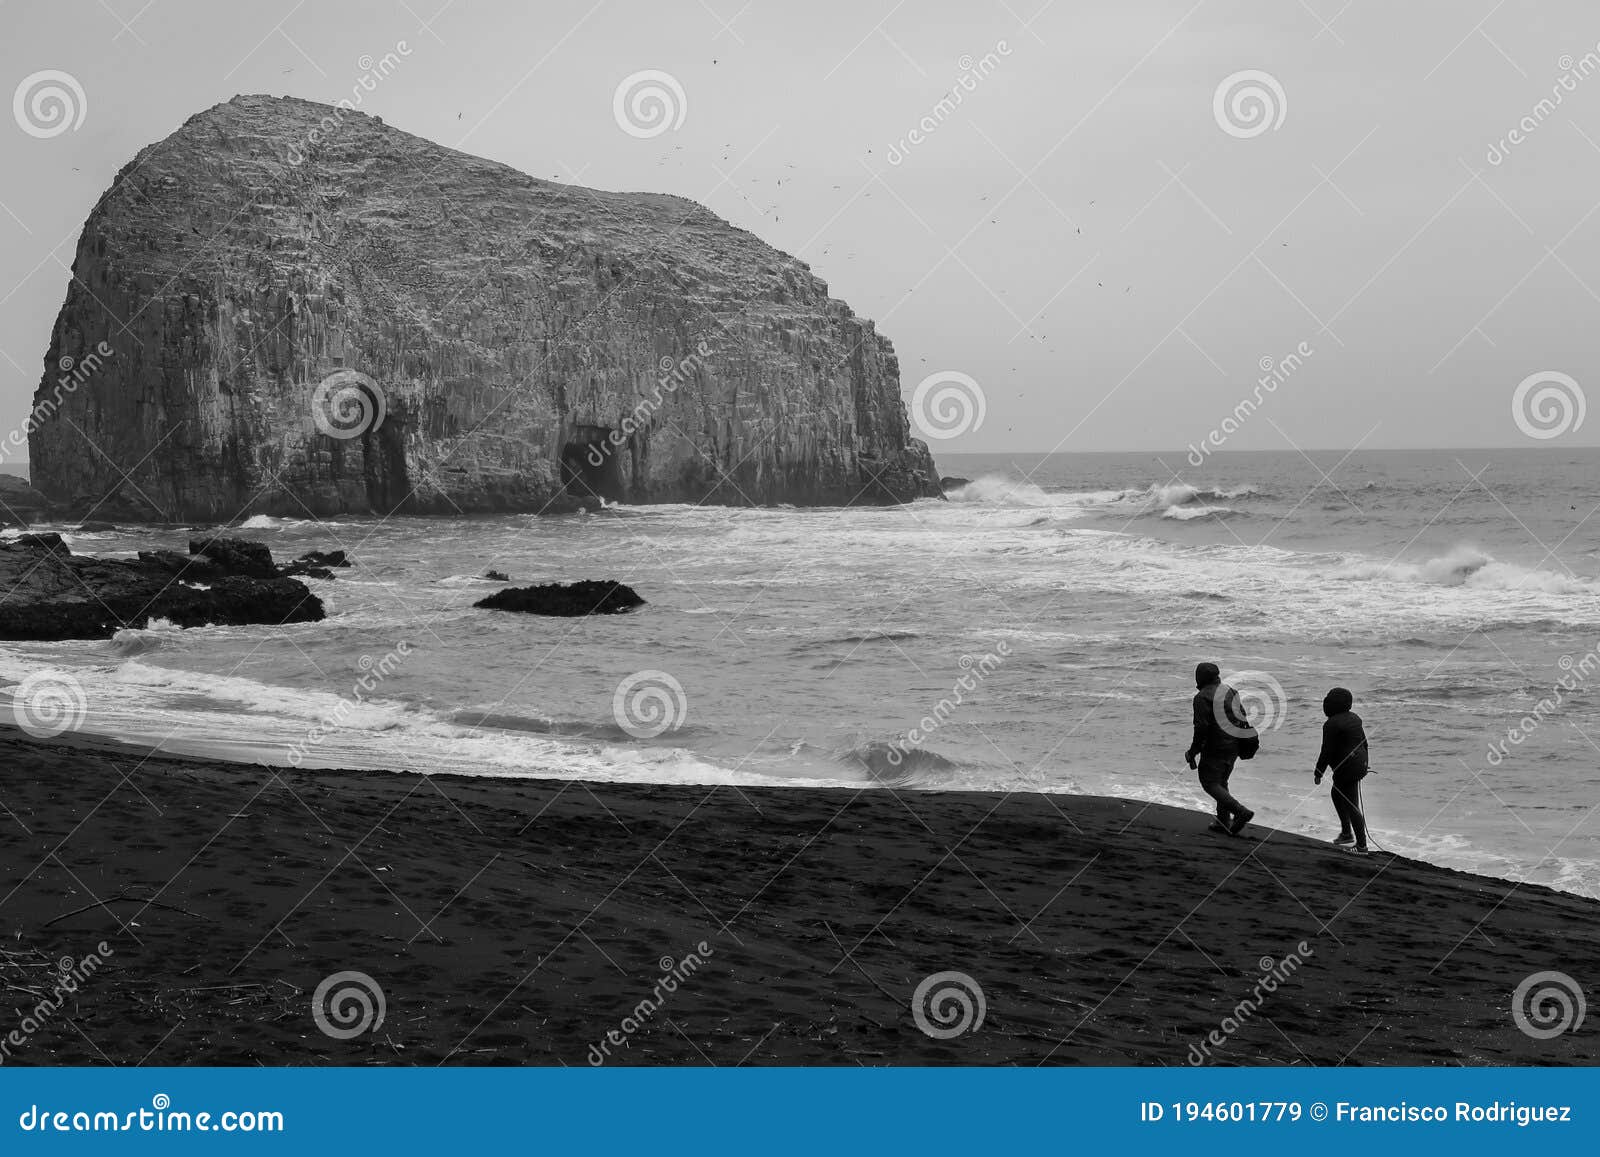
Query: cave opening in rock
<point x="591" y="467"/>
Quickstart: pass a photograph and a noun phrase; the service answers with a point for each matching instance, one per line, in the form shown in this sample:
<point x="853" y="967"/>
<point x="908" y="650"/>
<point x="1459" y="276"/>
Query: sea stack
<point x="289" y="308"/>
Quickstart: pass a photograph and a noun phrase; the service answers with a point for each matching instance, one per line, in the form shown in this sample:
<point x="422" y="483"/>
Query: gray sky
<point x="1080" y="236"/>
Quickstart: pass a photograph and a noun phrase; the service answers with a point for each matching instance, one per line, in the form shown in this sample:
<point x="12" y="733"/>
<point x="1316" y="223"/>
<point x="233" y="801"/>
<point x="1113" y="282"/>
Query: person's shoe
<point x="1217" y="827"/>
<point x="1240" y="819"/>
<point x="1358" y="851"/>
<point x="1344" y="838"/>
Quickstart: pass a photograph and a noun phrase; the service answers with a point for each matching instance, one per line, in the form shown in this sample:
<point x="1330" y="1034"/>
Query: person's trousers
<point x="1347" y="802"/>
<point x="1214" y="771"/>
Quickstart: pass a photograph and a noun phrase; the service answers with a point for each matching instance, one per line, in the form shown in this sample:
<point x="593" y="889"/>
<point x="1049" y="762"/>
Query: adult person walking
<point x="1220" y="725"/>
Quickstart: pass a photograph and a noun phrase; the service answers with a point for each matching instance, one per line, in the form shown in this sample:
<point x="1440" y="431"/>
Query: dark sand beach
<point x="519" y="921"/>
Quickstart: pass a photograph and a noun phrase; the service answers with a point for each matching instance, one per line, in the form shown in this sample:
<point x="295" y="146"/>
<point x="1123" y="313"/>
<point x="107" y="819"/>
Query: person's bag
<point x="1249" y="743"/>
<point x="1246" y="736"/>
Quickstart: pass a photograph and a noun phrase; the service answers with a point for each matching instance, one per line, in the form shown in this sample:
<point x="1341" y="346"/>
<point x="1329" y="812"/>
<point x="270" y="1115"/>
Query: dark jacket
<point x="1344" y="746"/>
<point x="1210" y="737"/>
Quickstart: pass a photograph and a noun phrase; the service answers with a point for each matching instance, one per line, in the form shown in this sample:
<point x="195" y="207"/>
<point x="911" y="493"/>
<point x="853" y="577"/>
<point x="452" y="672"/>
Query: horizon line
<point x="1287" y="450"/>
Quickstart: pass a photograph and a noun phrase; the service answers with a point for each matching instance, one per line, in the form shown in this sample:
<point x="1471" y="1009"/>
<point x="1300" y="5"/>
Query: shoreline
<point x="528" y="921"/>
<point x="248" y="752"/>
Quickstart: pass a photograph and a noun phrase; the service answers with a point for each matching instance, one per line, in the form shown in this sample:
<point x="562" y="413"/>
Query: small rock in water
<point x="565" y="599"/>
<point x="49" y="540"/>
<point x="237" y="556"/>
<point x="497" y="576"/>
<point x="194" y="566"/>
<point x="315" y="564"/>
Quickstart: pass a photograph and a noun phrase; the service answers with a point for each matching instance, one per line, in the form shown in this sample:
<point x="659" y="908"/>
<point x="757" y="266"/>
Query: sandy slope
<point x="519" y="922"/>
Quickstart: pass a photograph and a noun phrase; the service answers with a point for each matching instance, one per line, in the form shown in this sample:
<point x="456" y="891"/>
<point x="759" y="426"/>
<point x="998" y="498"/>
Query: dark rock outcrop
<point x="271" y="313"/>
<point x="47" y="541"/>
<point x="21" y="504"/>
<point x="304" y="570"/>
<point x="236" y="556"/>
<point x="190" y="566"/>
<point x="953" y="482"/>
<point x="497" y="576"/>
<point x="315" y="564"/>
<point x="47" y="592"/>
<point x="565" y="599"/>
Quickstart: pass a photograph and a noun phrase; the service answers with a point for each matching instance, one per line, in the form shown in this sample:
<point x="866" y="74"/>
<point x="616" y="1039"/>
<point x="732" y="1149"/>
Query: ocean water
<point x="1037" y="632"/>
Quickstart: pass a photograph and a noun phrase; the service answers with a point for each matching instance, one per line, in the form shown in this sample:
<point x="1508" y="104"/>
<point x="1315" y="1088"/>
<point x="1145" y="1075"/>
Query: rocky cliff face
<point x="287" y="308"/>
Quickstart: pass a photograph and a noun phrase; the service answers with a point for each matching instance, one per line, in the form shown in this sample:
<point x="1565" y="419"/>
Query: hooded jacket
<point x="1344" y="739"/>
<point x="1210" y="737"/>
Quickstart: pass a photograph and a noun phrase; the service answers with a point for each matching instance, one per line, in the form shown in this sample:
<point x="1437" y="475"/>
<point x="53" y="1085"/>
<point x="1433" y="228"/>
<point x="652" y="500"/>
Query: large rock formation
<point x="47" y="592"/>
<point x="256" y="288"/>
<point x="21" y="504"/>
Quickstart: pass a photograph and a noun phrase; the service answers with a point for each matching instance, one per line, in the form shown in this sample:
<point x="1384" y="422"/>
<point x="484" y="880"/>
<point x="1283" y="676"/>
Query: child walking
<point x="1344" y="752"/>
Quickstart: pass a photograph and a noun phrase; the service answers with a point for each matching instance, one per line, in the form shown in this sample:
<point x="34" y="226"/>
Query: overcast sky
<point x="1082" y="236"/>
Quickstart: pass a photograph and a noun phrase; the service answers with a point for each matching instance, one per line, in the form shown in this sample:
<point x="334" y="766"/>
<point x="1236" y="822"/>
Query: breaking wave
<point x="1468" y="566"/>
<point x="1181" y="494"/>
<point x="129" y="642"/>
<point x="275" y="522"/>
<point x="998" y="490"/>
<point x="1189" y="513"/>
<point x="1177" y="500"/>
<point x="232" y="718"/>
<point x="896" y="766"/>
